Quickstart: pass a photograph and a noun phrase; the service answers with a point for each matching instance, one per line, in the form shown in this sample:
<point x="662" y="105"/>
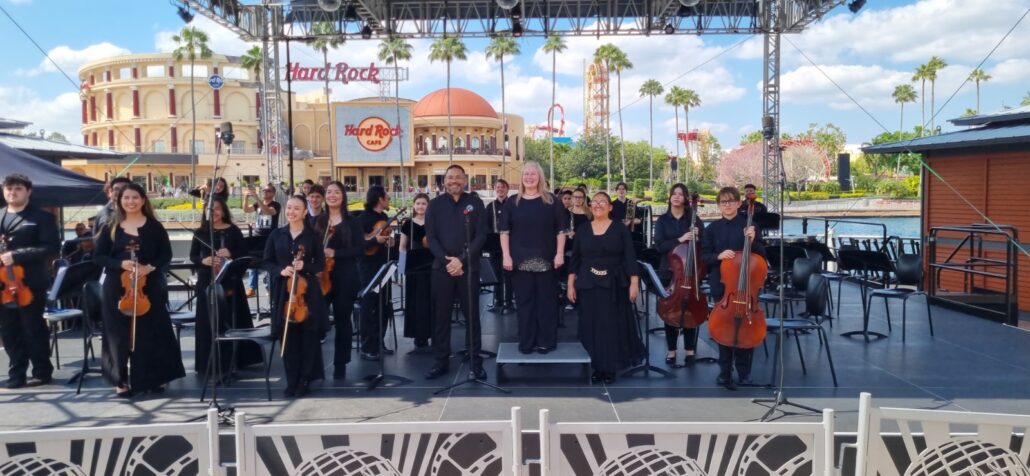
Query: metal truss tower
<point x="771" y="152"/>
<point x="595" y="98"/>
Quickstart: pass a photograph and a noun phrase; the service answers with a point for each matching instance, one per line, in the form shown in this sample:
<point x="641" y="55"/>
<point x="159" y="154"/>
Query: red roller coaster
<point x="548" y="127"/>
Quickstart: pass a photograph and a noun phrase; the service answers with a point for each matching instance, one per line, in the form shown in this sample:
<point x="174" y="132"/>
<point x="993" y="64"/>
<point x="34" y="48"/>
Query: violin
<point x="737" y="320"/>
<point x="382" y="228"/>
<point x="324" y="280"/>
<point x="685" y="307"/>
<point x="133" y="302"/>
<point x="15" y="293"/>
<point x="296" y="307"/>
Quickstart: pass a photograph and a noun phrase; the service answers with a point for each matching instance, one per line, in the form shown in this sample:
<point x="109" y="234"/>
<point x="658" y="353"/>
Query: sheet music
<point x="58" y="279"/>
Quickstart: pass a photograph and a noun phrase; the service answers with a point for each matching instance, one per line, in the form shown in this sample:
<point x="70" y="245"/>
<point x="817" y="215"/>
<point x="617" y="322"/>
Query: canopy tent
<point x="52" y="185"/>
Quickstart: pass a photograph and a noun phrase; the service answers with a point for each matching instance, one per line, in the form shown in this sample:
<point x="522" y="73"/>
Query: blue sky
<point x="867" y="54"/>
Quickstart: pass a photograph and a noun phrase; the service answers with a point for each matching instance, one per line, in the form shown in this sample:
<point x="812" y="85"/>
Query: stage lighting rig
<point x="366" y="32"/>
<point x="516" y="28"/>
<point x="330" y="5"/>
<point x="669" y="29"/>
<point x="689" y="3"/>
<point x="856" y="5"/>
<point x="184" y="14"/>
<point x="507" y="4"/>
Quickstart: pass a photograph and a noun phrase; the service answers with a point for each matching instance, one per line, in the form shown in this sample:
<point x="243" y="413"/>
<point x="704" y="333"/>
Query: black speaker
<point x="844" y="171"/>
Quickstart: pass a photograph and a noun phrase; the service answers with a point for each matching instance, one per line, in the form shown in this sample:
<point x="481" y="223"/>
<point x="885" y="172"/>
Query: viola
<point x="685" y="307"/>
<point x="134" y="302"/>
<point x="382" y="228"/>
<point x="296" y="308"/>
<point x="324" y="280"/>
<point x="15" y="293"/>
<point x="737" y="320"/>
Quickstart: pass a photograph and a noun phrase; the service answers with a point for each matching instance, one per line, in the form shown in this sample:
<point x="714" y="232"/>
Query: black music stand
<point x="232" y="269"/>
<point x="767" y="221"/>
<point x="653" y="286"/>
<point x="377" y="284"/>
<point x="867" y="262"/>
<point x="256" y="251"/>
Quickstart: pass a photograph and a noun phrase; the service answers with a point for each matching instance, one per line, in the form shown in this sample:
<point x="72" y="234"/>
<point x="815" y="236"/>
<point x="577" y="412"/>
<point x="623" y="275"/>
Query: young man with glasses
<point x="722" y="240"/>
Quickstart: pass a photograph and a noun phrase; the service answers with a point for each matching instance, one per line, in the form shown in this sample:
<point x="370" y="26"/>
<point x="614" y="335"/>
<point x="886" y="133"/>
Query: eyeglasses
<point x="599" y="202"/>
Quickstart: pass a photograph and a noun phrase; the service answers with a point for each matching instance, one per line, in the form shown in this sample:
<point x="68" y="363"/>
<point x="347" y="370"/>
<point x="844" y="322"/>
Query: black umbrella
<point x="52" y="185"/>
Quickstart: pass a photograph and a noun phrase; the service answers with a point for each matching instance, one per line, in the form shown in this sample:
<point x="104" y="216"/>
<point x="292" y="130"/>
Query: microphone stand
<point x="474" y="356"/>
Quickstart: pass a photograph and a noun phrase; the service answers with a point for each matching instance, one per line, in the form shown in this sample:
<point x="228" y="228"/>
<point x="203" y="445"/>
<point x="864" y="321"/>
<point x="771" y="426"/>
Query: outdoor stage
<point x="971" y="364"/>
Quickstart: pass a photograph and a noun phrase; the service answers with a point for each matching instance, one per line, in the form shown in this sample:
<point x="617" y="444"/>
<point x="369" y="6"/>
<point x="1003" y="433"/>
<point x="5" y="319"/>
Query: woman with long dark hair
<point x="221" y="190"/>
<point x="344" y="244"/>
<point x="373" y="325"/>
<point x="302" y="353"/>
<point x="145" y="356"/>
<point x="672" y="230"/>
<point x="229" y="244"/>
<point x="418" y="310"/>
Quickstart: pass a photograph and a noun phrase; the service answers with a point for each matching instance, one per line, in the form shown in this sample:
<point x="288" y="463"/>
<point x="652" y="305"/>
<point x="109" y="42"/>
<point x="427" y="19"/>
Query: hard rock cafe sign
<point x="372" y="133"/>
<point x="341" y="72"/>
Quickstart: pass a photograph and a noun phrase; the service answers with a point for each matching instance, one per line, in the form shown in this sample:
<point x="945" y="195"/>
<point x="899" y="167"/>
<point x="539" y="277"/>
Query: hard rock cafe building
<point x="140" y="105"/>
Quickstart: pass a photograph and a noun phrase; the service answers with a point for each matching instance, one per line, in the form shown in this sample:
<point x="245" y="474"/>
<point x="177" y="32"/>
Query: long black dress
<point x="237" y="316"/>
<point x="603" y="265"/>
<point x="157" y="358"/>
<point x="303" y="356"/>
<point x="668" y="229"/>
<point x="347" y="242"/>
<point x="371" y="303"/>
<point x="418" y="310"/>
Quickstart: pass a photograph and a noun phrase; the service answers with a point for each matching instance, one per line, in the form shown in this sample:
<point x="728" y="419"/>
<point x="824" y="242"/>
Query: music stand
<point x="867" y="262"/>
<point x="256" y="251"/>
<point x="381" y="280"/>
<point x="654" y="286"/>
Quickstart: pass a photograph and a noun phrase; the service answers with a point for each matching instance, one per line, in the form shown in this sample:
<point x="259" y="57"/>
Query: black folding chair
<point x="816" y="300"/>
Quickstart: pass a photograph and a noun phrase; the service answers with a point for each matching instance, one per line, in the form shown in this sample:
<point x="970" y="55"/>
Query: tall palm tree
<point x="391" y="51"/>
<point x="977" y="76"/>
<point x="448" y="49"/>
<point x="674" y="98"/>
<point x="192" y="44"/>
<point x="936" y="64"/>
<point x="604" y="55"/>
<point x="921" y="74"/>
<point x="903" y="93"/>
<point x="690" y="99"/>
<point x="498" y="48"/>
<point x="1026" y="100"/>
<point x="619" y="63"/>
<point x="251" y="61"/>
<point x="324" y="38"/>
<point x="651" y="88"/>
<point x="553" y="45"/>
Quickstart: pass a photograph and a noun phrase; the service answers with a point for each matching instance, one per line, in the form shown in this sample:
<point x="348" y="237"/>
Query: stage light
<point x="669" y="29"/>
<point x="516" y="28"/>
<point x="330" y="5"/>
<point x="507" y="4"/>
<point x="366" y="32"/>
<point x="856" y="5"/>
<point x="689" y="3"/>
<point x="184" y="14"/>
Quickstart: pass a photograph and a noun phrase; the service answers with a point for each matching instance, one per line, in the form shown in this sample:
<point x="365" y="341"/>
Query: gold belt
<point x="598" y="272"/>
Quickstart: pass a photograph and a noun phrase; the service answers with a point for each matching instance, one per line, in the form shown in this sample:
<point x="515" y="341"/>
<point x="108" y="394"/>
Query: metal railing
<point x="462" y="151"/>
<point x="971" y="257"/>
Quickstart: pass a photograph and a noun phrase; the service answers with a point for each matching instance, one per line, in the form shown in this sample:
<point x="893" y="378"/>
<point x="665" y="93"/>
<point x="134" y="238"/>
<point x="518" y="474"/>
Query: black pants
<point x="504" y="292"/>
<point x="730" y="358"/>
<point x="537" y="302"/>
<point x="342" y="298"/>
<point x="672" y="334"/>
<point x="445" y="289"/>
<point x="26" y="340"/>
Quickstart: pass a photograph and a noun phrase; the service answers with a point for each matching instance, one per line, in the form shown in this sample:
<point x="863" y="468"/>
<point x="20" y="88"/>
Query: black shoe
<point x="689" y="360"/>
<point x="289" y="392"/>
<point x="15" y="383"/>
<point x="478" y="373"/>
<point x="526" y="351"/>
<point x="609" y="379"/>
<point x="420" y="343"/>
<point x="726" y="382"/>
<point x="596" y="377"/>
<point x="544" y="350"/>
<point x="158" y="390"/>
<point x="437" y="371"/>
<point x="387" y="351"/>
<point x="37" y="381"/>
<point x="670" y="360"/>
<point x="745" y="380"/>
<point x="369" y="356"/>
<point x="303" y="389"/>
<point x="339" y="373"/>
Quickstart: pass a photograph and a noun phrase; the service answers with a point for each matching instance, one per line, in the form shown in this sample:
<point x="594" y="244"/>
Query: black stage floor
<point x="971" y="364"/>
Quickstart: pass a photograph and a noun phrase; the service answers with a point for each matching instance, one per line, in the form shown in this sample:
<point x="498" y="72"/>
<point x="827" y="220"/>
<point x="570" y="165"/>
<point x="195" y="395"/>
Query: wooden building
<point x="977" y="178"/>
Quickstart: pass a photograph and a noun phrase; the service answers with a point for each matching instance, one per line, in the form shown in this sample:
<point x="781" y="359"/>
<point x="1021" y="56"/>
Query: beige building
<point x="140" y="105"/>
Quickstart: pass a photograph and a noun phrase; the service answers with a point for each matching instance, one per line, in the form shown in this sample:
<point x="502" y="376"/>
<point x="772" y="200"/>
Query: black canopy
<point x="52" y="185"/>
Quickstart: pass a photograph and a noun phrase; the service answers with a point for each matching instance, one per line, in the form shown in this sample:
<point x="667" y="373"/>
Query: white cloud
<point x="221" y="40"/>
<point x="1015" y="70"/>
<point x="60" y="114"/>
<point x="70" y="59"/>
<point x="870" y="85"/>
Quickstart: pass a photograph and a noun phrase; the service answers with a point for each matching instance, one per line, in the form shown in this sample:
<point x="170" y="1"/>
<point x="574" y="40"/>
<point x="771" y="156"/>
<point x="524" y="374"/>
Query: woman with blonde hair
<point x="533" y="227"/>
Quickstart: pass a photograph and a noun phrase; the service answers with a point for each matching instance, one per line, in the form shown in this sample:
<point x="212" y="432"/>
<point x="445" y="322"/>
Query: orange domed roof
<point x="463" y="103"/>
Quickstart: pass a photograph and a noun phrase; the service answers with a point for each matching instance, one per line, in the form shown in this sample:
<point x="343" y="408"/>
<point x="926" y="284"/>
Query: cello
<point x="685" y="307"/>
<point x="737" y="320"/>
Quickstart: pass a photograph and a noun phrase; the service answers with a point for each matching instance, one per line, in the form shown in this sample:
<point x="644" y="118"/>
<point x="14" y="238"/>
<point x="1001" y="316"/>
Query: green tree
<point x="969" y="112"/>
<point x="619" y="63"/>
<point x="903" y="93"/>
<point x="325" y="38"/>
<point x="979" y="76"/>
<point x="57" y="136"/>
<point x="252" y="60"/>
<point x="751" y="137"/>
<point x="192" y="44"/>
<point x="921" y="74"/>
<point x="690" y="99"/>
<point x="674" y="98"/>
<point x="448" y="49"/>
<point x="936" y="64"/>
<point x="553" y="45"/>
<point x="604" y="55"/>
<point x="498" y="48"/>
<point x="882" y="163"/>
<point x="651" y="88"/>
<point x="829" y="138"/>
<point x="392" y="51"/>
<point x="1026" y="100"/>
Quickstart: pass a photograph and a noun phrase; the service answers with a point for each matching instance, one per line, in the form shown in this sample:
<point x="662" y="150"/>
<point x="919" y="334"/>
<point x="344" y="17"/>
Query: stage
<point x="971" y="364"/>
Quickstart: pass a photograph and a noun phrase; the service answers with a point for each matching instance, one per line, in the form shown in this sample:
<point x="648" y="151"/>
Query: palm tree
<point x="498" y="48"/>
<point x="448" y="49"/>
<point x="651" y="88"/>
<point x="674" y="98"/>
<point x="604" y="55"/>
<point x="1026" y="100"/>
<point x="324" y="38"/>
<point x="935" y="64"/>
<point x="192" y="45"/>
<point x="391" y="51"/>
<point x="922" y="73"/>
<point x="553" y="45"/>
<point x="977" y="76"/>
<point x="619" y="63"/>
<point x="690" y="99"/>
<point x="252" y="59"/>
<point x="903" y="93"/>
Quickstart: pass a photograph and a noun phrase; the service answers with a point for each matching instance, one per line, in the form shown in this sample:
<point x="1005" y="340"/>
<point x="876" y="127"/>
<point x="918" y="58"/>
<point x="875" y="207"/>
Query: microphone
<point x="227" y="136"/>
<point x="468" y="210"/>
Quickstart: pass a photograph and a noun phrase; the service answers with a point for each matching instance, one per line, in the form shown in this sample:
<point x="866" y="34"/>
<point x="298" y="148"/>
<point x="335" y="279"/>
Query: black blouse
<point x="719" y="236"/>
<point x="367" y="222"/>
<point x="155" y="249"/>
<point x="606" y="260"/>
<point x="667" y="231"/>
<point x="32" y="238"/>
<point x="281" y="246"/>
<point x="414" y="232"/>
<point x="533" y="227"/>
<point x="346" y="240"/>
<point x="231" y="236"/>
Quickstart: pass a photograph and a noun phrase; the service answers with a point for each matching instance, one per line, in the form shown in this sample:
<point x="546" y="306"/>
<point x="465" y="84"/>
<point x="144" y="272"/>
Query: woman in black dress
<point x="229" y="244"/>
<point x="579" y="214"/>
<point x="302" y="356"/>
<point x="344" y="243"/>
<point x="418" y="312"/>
<point x="672" y="230"/>
<point x="151" y="358"/>
<point x="533" y="227"/>
<point x="603" y="279"/>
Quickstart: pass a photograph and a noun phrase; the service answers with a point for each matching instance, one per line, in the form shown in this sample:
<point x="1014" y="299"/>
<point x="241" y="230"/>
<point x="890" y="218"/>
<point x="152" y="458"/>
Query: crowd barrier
<point x="890" y="442"/>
